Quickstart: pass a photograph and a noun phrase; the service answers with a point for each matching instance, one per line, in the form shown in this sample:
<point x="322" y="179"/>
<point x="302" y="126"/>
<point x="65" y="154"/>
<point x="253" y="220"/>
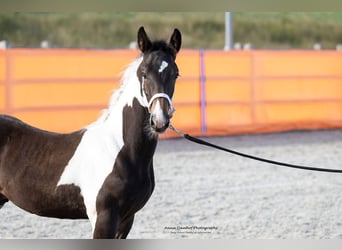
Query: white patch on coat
<point x="101" y="142"/>
<point x="163" y="66"/>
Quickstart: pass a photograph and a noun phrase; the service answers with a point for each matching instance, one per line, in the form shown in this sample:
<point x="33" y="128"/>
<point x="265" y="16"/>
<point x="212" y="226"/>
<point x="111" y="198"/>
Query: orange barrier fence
<point x="218" y="92"/>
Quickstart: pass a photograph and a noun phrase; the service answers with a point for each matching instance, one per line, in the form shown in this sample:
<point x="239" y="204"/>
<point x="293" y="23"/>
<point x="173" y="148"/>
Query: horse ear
<point x="144" y="42"/>
<point x="176" y="40"/>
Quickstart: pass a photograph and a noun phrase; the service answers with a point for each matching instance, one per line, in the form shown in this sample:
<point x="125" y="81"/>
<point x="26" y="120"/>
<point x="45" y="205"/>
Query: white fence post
<point x="229" y="31"/>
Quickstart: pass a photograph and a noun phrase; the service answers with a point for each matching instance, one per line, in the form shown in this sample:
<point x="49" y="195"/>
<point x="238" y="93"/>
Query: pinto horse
<point x="103" y="172"/>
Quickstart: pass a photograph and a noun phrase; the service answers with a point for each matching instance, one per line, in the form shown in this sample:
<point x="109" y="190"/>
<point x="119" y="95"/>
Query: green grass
<point x="290" y="30"/>
<point x="200" y="30"/>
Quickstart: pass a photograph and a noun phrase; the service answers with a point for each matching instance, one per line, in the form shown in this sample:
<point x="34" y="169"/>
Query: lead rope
<point x="205" y="143"/>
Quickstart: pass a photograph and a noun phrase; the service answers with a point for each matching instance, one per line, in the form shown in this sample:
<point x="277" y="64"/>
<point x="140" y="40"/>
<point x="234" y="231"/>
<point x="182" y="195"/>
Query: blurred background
<point x="282" y="71"/>
<point x="263" y="30"/>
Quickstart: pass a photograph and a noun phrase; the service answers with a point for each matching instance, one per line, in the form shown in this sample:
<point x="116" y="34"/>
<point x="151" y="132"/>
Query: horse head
<point x="157" y="75"/>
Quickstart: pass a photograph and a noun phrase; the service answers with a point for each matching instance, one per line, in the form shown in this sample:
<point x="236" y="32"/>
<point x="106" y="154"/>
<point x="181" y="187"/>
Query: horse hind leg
<point x="3" y="200"/>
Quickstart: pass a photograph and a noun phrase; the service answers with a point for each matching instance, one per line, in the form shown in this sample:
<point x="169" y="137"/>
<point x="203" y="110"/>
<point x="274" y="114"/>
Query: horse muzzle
<point x="159" y="124"/>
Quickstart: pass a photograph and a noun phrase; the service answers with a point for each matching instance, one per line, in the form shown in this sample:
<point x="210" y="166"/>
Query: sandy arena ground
<point x="204" y="193"/>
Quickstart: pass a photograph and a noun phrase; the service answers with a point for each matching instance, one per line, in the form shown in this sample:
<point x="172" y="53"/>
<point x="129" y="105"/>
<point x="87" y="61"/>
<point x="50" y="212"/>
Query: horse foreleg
<point x="124" y="228"/>
<point x="106" y="224"/>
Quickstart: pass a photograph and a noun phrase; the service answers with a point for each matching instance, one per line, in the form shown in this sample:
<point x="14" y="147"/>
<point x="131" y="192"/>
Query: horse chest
<point x="135" y="191"/>
<point x="133" y="202"/>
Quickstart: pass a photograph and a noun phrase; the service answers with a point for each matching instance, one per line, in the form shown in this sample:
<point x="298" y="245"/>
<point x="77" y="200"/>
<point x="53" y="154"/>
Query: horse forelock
<point x="161" y="45"/>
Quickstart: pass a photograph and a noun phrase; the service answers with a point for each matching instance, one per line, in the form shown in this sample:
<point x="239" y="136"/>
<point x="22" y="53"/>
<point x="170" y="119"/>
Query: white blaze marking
<point x="158" y="112"/>
<point x="95" y="156"/>
<point x="163" y="66"/>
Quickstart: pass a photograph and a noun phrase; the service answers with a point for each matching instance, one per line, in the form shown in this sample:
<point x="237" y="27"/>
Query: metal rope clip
<point x="179" y="132"/>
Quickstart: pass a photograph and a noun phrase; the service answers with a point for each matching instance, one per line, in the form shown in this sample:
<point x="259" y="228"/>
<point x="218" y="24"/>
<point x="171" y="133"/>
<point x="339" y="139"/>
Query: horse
<point x="103" y="172"/>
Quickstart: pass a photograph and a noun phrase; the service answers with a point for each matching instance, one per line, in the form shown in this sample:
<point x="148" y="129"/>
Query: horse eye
<point x="143" y="74"/>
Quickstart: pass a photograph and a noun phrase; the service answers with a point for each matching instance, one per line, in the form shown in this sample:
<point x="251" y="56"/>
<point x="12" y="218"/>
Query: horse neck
<point x="139" y="143"/>
<point x="137" y="131"/>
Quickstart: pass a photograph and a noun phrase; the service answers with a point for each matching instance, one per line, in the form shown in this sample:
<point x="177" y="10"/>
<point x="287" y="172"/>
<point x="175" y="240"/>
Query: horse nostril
<point x="152" y="121"/>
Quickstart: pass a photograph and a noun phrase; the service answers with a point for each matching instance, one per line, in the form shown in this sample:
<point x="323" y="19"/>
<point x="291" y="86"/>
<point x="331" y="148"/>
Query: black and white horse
<point x="103" y="172"/>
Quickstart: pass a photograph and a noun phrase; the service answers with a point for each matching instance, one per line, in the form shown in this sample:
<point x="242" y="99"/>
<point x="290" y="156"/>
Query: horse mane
<point x="126" y="78"/>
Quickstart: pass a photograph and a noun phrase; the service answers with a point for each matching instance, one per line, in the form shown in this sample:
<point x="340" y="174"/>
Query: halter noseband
<point x="162" y="95"/>
<point x="155" y="96"/>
